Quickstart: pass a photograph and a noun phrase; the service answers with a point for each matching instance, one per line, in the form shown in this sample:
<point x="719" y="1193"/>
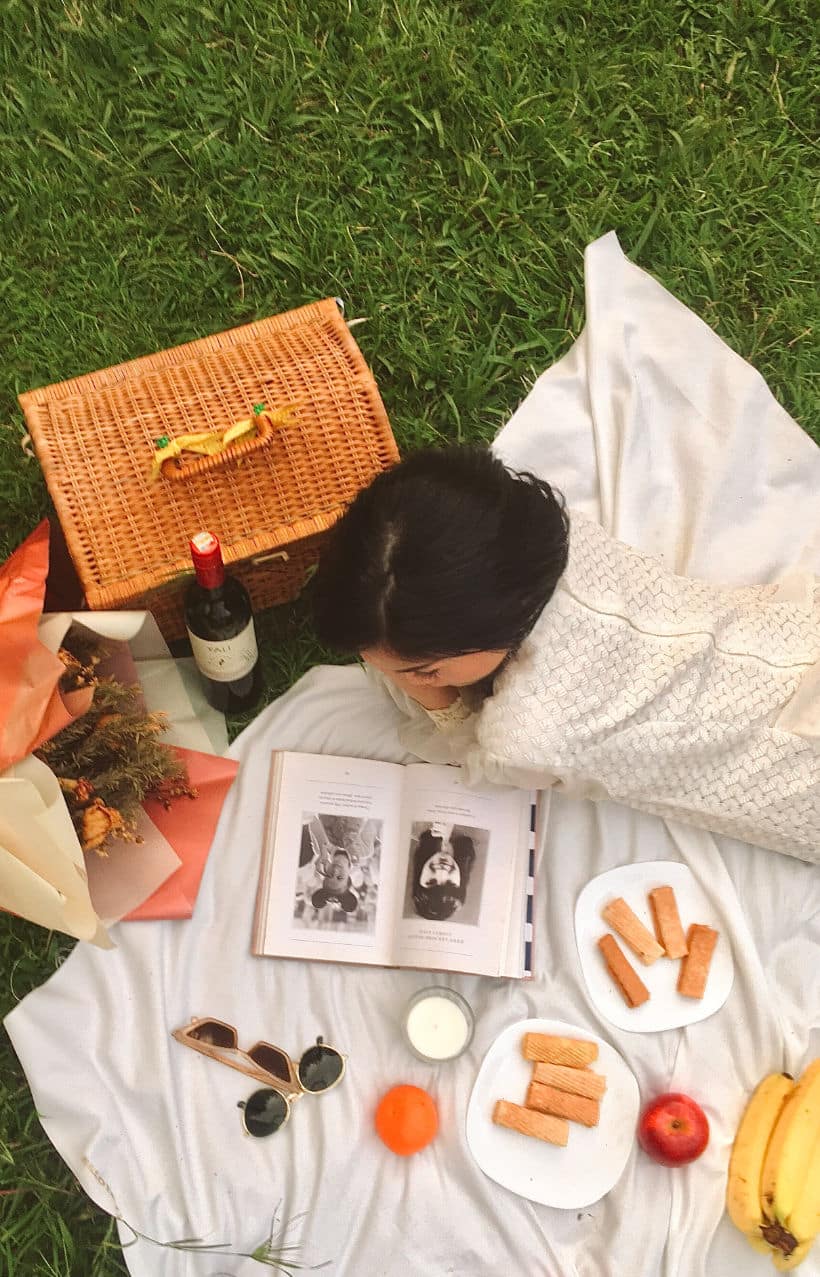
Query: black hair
<point x="447" y="553"/>
<point x="439" y="901"/>
<point x="347" y="901"/>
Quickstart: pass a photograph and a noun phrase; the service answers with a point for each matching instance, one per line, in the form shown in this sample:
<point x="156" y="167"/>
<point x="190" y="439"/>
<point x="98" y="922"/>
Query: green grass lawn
<point x="172" y="168"/>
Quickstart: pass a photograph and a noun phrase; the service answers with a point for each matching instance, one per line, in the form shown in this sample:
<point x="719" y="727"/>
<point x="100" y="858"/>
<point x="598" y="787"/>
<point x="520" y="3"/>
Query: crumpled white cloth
<point x="703" y="468"/>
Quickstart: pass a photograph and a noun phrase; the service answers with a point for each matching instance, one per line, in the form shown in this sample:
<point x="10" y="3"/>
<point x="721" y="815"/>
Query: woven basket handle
<point x="180" y="468"/>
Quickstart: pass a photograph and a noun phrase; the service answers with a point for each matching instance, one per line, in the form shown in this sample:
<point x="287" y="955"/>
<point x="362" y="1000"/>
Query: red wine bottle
<point x="219" y="620"/>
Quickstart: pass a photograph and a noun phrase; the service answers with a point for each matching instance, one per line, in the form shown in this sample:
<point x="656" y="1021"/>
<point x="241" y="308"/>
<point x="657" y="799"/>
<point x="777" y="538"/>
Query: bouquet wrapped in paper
<point x="81" y="866"/>
<point x="32" y="706"/>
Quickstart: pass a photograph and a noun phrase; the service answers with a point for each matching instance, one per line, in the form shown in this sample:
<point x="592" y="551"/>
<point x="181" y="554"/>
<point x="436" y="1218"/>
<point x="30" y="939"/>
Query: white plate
<point x="666" y="1009"/>
<point x="594" y="1158"/>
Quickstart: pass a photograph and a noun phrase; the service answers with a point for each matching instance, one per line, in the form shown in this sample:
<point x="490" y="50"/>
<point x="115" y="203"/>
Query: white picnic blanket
<point x="652" y="425"/>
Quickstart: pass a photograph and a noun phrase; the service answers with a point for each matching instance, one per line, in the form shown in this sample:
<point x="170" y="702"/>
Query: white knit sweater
<point x="684" y="699"/>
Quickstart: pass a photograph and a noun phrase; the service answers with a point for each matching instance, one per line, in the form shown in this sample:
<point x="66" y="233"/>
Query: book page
<point x="330" y="859"/>
<point x="462" y="852"/>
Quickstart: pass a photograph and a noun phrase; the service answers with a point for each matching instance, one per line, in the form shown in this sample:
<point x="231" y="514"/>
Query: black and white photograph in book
<point x="445" y="872"/>
<point x="337" y="882"/>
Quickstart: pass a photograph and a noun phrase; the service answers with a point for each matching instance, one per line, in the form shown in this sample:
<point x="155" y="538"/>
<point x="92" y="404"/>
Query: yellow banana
<point x="786" y="1164"/>
<point x="749" y="1152"/>
<point x="804" y="1221"/>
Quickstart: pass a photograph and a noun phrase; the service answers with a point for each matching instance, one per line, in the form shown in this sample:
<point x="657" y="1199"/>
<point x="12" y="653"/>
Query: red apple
<point x="673" y="1129"/>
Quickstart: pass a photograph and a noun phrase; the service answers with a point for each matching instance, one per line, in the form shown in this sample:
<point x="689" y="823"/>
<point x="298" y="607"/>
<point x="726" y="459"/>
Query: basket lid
<point x="95" y="438"/>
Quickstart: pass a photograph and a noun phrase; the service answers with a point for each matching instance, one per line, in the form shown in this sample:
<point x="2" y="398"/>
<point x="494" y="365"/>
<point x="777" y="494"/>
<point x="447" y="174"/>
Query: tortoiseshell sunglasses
<point x="320" y="1069"/>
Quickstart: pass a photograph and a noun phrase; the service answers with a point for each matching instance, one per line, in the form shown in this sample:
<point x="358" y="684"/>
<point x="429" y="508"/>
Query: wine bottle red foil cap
<point x="206" y="553"/>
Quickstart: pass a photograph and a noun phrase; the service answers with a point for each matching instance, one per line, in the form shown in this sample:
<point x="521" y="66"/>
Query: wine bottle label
<point x="225" y="660"/>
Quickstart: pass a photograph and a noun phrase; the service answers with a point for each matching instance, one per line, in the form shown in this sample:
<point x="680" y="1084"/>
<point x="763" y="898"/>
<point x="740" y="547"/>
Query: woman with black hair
<point x="331" y="864"/>
<point x="337" y="888"/>
<point x="534" y="648"/>
<point x="441" y="874"/>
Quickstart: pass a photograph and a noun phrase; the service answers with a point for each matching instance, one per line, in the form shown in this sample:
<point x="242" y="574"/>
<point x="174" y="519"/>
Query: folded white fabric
<point x="700" y="466"/>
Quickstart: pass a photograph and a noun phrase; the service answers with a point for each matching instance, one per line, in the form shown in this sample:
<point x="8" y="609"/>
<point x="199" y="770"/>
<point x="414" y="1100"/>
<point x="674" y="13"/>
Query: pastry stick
<point x="557" y="1050"/>
<point x="576" y="1081"/>
<point x="694" y="970"/>
<point x="667" y="922"/>
<point x="630" y="928"/>
<point x="632" y="987"/>
<point x="576" y="1108"/>
<point x="554" y="1130"/>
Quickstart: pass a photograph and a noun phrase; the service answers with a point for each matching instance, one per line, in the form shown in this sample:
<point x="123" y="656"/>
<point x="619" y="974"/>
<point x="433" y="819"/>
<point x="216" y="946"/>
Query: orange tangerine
<point x="406" y="1119"/>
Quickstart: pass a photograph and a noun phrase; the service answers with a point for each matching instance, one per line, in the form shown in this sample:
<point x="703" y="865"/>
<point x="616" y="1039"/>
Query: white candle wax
<point x="437" y="1027"/>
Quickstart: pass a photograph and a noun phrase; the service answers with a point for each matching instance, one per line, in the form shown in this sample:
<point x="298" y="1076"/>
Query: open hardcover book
<point x="395" y="866"/>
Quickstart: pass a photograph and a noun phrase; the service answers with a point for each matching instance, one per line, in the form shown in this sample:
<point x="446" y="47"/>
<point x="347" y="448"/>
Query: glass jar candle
<point x="438" y="1024"/>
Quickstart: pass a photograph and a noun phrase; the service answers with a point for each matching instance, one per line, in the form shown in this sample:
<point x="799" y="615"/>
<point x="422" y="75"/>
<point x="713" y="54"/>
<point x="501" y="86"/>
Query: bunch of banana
<point x="773" y="1194"/>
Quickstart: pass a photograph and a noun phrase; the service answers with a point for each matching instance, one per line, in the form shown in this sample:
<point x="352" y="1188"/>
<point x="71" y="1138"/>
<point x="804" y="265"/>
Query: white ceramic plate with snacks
<point x="666" y="1008"/>
<point x="594" y="1157"/>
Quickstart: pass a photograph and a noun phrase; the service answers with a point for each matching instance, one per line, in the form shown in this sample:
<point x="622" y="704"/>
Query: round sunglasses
<point x="267" y="1110"/>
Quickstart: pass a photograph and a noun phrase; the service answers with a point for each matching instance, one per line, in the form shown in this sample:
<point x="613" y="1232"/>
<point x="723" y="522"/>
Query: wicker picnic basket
<point x="269" y="499"/>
